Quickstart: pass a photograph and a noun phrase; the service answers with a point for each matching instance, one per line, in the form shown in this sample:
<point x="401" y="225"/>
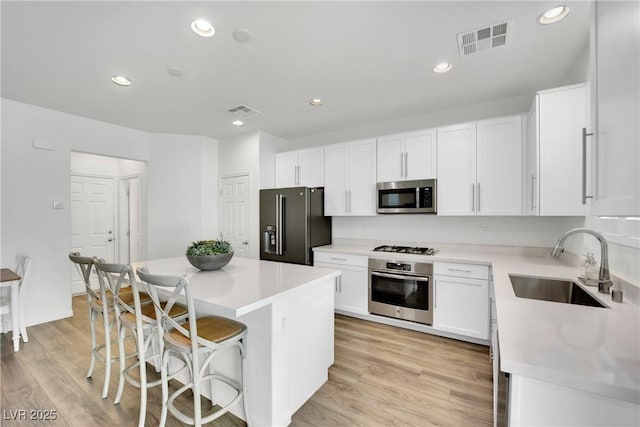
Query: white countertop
<point x="243" y="285"/>
<point x="586" y="348"/>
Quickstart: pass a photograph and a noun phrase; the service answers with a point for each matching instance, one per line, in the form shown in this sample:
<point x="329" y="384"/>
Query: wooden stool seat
<point x="211" y="328"/>
<point x="149" y="310"/>
<point x="126" y="295"/>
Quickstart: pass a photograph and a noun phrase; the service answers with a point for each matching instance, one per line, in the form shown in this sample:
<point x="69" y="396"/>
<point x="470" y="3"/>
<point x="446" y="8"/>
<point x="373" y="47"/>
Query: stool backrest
<point x="24" y="269"/>
<point x="84" y="265"/>
<point x="178" y="286"/>
<point x="113" y="277"/>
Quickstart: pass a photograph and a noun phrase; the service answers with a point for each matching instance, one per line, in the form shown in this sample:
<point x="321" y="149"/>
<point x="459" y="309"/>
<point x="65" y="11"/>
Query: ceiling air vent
<point x="243" y="111"/>
<point x="483" y="38"/>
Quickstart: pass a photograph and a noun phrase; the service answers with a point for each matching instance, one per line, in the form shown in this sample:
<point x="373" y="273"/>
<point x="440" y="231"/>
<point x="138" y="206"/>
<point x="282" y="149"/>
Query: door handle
<point x="245" y="243"/>
<point x="281" y="224"/>
<point x="110" y="239"/>
<point x="533" y="180"/>
<point x="478" y="197"/>
<point x="584" y="165"/>
<point x="402" y="165"/>
<point x="406" y="164"/>
<point x="346" y="201"/>
<point x="473" y="197"/>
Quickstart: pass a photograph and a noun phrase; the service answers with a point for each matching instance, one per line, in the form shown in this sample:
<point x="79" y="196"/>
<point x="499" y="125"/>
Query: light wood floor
<point x="382" y="376"/>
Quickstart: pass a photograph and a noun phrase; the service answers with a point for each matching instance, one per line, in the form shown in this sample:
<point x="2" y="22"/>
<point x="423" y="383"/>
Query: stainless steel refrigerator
<point x="292" y="222"/>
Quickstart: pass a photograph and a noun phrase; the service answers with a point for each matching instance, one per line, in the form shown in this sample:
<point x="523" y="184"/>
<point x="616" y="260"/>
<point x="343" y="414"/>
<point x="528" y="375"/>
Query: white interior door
<point x="235" y="213"/>
<point x="92" y="210"/>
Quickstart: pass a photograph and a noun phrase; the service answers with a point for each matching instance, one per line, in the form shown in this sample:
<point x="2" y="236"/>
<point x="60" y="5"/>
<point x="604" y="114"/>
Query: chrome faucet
<point x="604" y="281"/>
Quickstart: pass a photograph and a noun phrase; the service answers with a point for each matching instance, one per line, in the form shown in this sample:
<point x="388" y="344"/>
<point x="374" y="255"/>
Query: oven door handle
<point x="400" y="277"/>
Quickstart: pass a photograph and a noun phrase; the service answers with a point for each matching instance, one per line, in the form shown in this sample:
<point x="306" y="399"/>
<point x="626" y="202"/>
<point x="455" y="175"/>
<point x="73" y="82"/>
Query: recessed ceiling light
<point x="237" y="123"/>
<point x="316" y="101"/>
<point x="202" y="28"/>
<point x="553" y="15"/>
<point x="121" y="80"/>
<point x="442" y="67"/>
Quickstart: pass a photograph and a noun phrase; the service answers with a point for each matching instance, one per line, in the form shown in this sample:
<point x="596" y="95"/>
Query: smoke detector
<point x="484" y="38"/>
<point x="243" y="111"/>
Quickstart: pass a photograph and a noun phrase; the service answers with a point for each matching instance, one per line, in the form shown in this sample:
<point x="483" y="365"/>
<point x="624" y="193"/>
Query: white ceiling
<point x="370" y="61"/>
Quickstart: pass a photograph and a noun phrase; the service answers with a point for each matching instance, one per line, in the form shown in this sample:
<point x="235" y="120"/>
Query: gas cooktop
<point x="406" y="250"/>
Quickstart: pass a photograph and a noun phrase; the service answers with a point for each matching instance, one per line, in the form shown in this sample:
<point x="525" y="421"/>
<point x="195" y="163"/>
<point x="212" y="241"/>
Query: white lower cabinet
<point x="351" y="288"/>
<point x="461" y="299"/>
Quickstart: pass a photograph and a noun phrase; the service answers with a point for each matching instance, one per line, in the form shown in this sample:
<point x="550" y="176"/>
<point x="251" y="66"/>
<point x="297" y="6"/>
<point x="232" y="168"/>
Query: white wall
<point x="210" y="213"/>
<point x="31" y="178"/>
<point x="269" y="146"/>
<point x="429" y="230"/>
<point x="497" y="108"/>
<point x="177" y="193"/>
<point x="241" y="154"/>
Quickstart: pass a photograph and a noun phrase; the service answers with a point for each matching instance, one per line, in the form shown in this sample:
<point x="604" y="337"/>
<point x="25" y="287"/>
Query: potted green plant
<point x="209" y="254"/>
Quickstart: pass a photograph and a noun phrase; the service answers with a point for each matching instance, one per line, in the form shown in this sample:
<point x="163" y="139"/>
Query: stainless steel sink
<point x="555" y="290"/>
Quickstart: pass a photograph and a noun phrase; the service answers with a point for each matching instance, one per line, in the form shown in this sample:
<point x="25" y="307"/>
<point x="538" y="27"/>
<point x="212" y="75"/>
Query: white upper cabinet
<point x="350" y="178"/>
<point x="616" y="105"/>
<point x="480" y="168"/>
<point x="499" y="166"/>
<point x="407" y="156"/>
<point x="300" y="168"/>
<point x="558" y="168"/>
<point x="457" y="169"/>
<point x="286" y="169"/>
<point x="532" y="206"/>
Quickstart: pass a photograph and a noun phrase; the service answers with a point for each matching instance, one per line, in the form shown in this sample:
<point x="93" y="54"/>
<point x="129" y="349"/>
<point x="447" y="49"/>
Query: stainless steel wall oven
<point x="401" y="289"/>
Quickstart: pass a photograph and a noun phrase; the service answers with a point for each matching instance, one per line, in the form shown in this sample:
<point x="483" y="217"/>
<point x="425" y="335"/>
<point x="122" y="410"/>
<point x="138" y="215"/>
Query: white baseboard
<point x="411" y="325"/>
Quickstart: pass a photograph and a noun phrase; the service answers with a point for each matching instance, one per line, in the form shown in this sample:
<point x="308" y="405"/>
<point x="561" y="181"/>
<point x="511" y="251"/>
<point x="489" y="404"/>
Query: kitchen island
<point x="288" y="310"/>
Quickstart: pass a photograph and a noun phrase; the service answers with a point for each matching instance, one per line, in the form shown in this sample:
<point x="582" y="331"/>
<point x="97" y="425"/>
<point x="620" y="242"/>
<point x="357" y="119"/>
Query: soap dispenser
<point x="589" y="270"/>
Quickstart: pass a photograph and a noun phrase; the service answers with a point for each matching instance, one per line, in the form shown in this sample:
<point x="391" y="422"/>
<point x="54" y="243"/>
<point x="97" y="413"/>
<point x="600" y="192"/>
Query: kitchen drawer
<point x="341" y="259"/>
<point x="471" y="271"/>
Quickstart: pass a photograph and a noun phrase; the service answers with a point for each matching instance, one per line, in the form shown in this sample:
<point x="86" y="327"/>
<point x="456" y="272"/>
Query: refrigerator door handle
<point x="277" y="251"/>
<point x="280" y="223"/>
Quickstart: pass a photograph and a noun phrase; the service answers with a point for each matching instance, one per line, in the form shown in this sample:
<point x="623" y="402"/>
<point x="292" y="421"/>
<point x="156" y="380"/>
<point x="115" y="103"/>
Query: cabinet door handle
<point x="346" y="201"/>
<point x="349" y="201"/>
<point x="339" y="259"/>
<point x="473" y="197"/>
<point x="401" y="165"/>
<point x="584" y="165"/>
<point x="478" y="197"/>
<point x="533" y="187"/>
<point x="434" y="293"/>
<point x="460" y="270"/>
<point x="406" y="164"/>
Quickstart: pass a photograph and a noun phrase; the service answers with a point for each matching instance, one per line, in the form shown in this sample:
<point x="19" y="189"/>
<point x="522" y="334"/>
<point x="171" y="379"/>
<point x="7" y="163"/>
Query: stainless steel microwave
<point x="417" y="196"/>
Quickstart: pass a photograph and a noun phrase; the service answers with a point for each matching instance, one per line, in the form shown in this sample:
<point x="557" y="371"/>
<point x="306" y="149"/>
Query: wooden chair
<point x="138" y="317"/>
<point x="197" y="342"/>
<point x="23" y="270"/>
